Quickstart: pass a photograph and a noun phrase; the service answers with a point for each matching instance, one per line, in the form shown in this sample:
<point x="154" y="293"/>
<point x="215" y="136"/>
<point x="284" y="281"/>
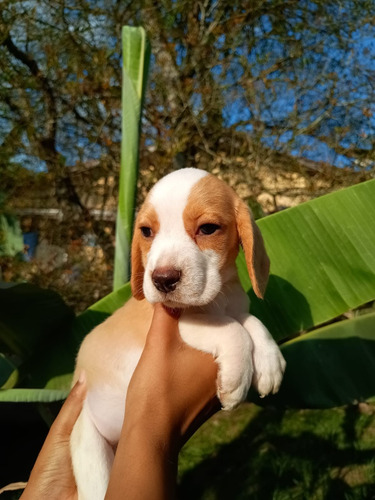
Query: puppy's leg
<point x="92" y="458"/>
<point x="231" y="346"/>
<point x="269" y="363"/>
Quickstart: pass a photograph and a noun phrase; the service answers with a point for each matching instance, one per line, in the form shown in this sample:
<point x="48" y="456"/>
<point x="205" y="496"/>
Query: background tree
<point x="234" y="86"/>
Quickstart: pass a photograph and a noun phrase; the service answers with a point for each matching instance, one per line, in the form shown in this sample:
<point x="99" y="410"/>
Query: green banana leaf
<point x="33" y="395"/>
<point x="322" y="260"/>
<point x="331" y="366"/>
<point x="30" y="316"/>
<point x="43" y="341"/>
<point x="8" y="372"/>
<point x="37" y="348"/>
<point x="99" y="311"/>
<point x="136" y="57"/>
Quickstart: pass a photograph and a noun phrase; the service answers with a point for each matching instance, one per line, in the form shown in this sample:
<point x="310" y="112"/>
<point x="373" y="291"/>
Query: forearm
<point x="145" y="466"/>
<point x="172" y="392"/>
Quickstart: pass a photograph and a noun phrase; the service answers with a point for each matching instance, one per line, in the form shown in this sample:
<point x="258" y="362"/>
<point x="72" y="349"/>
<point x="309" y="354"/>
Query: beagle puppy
<point x="186" y="240"/>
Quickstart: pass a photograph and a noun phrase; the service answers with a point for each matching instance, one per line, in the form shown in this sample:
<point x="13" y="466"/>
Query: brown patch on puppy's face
<point x="210" y="220"/>
<point x="213" y="205"/>
<point x="145" y="229"/>
<point x="191" y="234"/>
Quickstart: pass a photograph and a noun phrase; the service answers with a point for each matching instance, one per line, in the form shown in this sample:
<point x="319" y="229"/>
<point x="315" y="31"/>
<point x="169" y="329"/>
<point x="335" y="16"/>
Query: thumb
<point x="72" y="407"/>
<point x="164" y="324"/>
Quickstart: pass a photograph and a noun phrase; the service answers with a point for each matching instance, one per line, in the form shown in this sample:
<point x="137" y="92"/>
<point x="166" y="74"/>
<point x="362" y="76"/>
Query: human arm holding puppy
<point x="172" y="393"/>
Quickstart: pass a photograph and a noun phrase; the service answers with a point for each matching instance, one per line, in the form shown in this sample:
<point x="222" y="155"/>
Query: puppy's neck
<point x="231" y="301"/>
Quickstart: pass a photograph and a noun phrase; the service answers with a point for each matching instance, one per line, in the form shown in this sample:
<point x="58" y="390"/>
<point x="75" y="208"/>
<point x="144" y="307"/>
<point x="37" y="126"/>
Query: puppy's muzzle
<point x="166" y="279"/>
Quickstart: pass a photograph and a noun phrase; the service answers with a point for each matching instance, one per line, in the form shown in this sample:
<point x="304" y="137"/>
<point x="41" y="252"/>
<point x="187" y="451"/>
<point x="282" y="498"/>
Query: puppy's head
<point x="186" y="239"/>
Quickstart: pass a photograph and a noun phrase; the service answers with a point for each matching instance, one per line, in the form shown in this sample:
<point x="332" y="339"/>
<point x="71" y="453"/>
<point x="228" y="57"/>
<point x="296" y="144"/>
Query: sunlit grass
<point x="281" y="455"/>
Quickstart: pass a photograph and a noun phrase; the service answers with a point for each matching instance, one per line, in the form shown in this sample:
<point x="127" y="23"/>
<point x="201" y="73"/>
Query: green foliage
<point x="281" y="454"/>
<point x="136" y="57"/>
<point x="39" y="346"/>
<point x="36" y="343"/>
<point x="322" y="263"/>
<point x="328" y="367"/>
<point x="11" y="241"/>
<point x="281" y="71"/>
<point x="322" y="266"/>
<point x="99" y="311"/>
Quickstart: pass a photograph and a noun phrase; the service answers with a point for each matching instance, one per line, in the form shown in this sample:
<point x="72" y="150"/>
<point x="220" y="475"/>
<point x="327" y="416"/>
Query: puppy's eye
<point x="146" y="231"/>
<point x="208" y="229"/>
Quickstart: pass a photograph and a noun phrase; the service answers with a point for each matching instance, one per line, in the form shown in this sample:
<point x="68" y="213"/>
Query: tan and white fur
<point x="186" y="239"/>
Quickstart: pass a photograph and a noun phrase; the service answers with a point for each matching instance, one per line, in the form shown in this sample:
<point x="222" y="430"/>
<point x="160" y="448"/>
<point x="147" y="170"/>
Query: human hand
<point x="172" y="392"/>
<point x="173" y="382"/>
<point x="52" y="475"/>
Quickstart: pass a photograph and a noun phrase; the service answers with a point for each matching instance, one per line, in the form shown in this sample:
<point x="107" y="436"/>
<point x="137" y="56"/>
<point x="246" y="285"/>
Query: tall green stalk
<point x="136" y="58"/>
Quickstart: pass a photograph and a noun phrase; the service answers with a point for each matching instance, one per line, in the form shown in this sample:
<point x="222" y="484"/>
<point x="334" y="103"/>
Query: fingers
<point x="164" y="325"/>
<point x="72" y="407"/>
<point x="55" y="455"/>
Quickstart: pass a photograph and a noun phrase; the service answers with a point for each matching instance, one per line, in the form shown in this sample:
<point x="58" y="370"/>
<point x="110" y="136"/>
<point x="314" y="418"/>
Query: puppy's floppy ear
<point x="257" y="261"/>
<point x="137" y="269"/>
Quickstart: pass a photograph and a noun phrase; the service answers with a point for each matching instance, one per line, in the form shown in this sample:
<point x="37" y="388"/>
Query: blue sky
<point x="282" y="103"/>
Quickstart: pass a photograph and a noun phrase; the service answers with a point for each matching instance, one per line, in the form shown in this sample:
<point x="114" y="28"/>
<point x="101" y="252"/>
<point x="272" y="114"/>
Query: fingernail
<point x="82" y="377"/>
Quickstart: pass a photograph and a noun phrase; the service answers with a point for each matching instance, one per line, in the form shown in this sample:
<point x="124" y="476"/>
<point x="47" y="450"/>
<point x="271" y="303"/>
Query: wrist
<point x="154" y="430"/>
<point x="146" y="448"/>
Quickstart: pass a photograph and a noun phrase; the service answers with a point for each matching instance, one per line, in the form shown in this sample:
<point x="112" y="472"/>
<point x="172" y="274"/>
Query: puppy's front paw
<point x="231" y="399"/>
<point x="269" y="367"/>
<point x="235" y="376"/>
<point x="269" y="364"/>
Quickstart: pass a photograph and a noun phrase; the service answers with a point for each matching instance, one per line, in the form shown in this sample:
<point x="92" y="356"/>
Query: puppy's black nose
<point x="165" y="279"/>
